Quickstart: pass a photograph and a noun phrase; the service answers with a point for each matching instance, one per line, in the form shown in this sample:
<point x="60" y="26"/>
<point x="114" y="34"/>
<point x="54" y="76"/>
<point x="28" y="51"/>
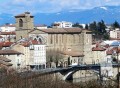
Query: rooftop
<point x="61" y="30"/>
<point x="98" y="49"/>
<point x="23" y="15"/>
<point x="73" y="53"/>
<point x="8" y="33"/>
<point x="9" y="52"/>
<point x="4" y="59"/>
<point x="6" y="44"/>
<point x="112" y="50"/>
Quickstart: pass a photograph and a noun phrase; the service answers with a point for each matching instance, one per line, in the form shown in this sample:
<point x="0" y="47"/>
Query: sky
<point x="50" y="6"/>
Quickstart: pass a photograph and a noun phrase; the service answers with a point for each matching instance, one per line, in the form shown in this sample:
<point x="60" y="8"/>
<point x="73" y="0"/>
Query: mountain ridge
<point x="107" y="13"/>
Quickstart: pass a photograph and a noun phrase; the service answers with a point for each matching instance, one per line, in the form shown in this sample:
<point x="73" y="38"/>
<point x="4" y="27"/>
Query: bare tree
<point x="54" y="56"/>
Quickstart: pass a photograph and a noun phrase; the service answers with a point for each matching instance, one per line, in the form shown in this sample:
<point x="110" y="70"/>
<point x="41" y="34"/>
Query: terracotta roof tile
<point x="98" y="49"/>
<point x="112" y="50"/>
<point x="34" y="42"/>
<point x="27" y="43"/>
<point x="6" y="44"/>
<point x="8" y="33"/>
<point x="9" y="52"/>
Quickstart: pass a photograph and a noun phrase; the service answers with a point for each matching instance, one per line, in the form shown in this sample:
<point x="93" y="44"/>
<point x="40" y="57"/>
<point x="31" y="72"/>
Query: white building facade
<point x="7" y="28"/>
<point x="62" y="24"/>
<point x="115" y="33"/>
<point x="40" y="56"/>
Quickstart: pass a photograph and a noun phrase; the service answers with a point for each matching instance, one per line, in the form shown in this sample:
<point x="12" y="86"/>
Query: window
<point x="40" y="40"/>
<point x="56" y="38"/>
<point x="51" y="39"/>
<point x="20" y="23"/>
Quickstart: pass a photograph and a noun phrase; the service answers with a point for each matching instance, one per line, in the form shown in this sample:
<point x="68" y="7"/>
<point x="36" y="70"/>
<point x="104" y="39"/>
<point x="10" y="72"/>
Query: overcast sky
<point x="50" y="6"/>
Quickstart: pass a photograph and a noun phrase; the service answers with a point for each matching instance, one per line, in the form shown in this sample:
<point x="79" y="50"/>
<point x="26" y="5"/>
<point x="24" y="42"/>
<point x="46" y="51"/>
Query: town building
<point x="8" y="28"/>
<point x="34" y="53"/>
<point x="14" y="57"/>
<point x="72" y="58"/>
<point x="62" y="24"/>
<point x="115" y="33"/>
<point x="57" y="39"/>
<point x="5" y="62"/>
<point x="98" y="54"/>
<point x="8" y="36"/>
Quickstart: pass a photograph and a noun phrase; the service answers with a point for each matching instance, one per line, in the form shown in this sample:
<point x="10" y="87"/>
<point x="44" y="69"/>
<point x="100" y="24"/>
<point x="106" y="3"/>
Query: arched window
<point x="40" y="40"/>
<point x="20" y="23"/>
<point x="35" y="39"/>
<point x="97" y="61"/>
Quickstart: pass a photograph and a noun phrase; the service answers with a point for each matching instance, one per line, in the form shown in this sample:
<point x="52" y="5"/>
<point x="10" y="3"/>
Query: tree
<point x="77" y="25"/>
<point x="86" y="26"/>
<point x="101" y="27"/>
<point x="93" y="26"/>
<point x="53" y="56"/>
<point x="115" y="25"/>
<point x="98" y="30"/>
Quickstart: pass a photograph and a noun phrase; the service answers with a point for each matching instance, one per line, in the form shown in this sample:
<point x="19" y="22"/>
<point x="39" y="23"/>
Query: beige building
<point x="26" y="52"/>
<point x="115" y="33"/>
<point x="58" y="39"/>
<point x="34" y="53"/>
<point x="98" y="55"/>
<point x="15" y="58"/>
<point x="70" y="39"/>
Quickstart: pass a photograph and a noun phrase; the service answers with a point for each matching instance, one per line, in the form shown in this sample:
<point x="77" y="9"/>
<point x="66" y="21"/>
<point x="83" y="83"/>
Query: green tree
<point x="93" y="26"/>
<point x="77" y="25"/>
<point x="86" y="26"/>
<point x="101" y="27"/>
<point x="115" y="25"/>
<point x="98" y="29"/>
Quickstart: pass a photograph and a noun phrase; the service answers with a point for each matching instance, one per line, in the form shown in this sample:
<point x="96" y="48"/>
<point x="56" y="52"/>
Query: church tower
<point x="87" y="46"/>
<point x="24" y="24"/>
<point x="24" y="21"/>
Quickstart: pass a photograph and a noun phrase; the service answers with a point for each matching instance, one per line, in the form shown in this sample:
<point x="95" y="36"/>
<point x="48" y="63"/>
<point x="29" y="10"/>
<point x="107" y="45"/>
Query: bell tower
<point x="24" y="21"/>
<point x="24" y="24"/>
